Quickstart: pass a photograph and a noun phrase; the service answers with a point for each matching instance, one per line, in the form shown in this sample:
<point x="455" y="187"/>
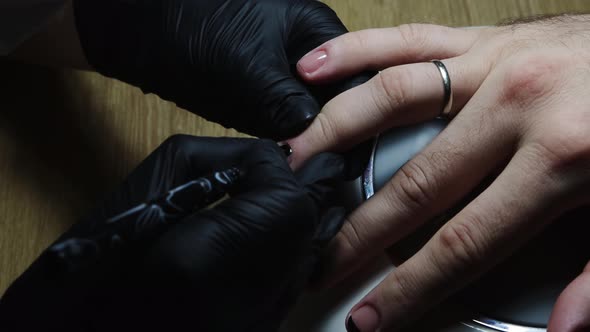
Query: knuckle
<point x="352" y="236"/>
<point x="559" y="142"/>
<point x="529" y="78"/>
<point x="392" y="89"/>
<point x="414" y="187"/>
<point x="355" y="40"/>
<point x="544" y="157"/>
<point x="414" y="37"/>
<point x="461" y="243"/>
<point x="360" y="39"/>
<point x="562" y="151"/>
<point x="400" y="290"/>
<point x="575" y="143"/>
<point x="325" y="128"/>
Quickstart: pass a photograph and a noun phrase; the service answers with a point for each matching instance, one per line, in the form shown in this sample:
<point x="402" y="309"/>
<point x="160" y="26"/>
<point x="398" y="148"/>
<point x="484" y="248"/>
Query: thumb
<point x="308" y="25"/>
<point x="330" y="224"/>
<point x="291" y="106"/>
<point x="320" y="174"/>
<point x="572" y="309"/>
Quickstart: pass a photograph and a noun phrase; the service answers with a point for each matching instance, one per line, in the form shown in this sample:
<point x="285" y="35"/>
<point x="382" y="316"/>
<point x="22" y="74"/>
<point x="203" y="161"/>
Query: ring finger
<point x="398" y="96"/>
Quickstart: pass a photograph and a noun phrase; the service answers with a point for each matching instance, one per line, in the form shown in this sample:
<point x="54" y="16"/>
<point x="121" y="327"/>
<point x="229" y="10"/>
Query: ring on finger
<point x="447" y="88"/>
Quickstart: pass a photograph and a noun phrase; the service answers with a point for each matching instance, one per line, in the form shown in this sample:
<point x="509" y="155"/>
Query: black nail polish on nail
<point x="351" y="326"/>
<point x="286" y="149"/>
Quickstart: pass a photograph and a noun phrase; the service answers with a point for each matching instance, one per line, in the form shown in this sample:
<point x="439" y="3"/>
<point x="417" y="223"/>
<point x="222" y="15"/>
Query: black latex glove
<point x="231" y="61"/>
<point x="238" y="266"/>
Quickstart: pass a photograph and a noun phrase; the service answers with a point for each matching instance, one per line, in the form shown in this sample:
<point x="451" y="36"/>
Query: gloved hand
<point x="231" y="61"/>
<point x="237" y="266"/>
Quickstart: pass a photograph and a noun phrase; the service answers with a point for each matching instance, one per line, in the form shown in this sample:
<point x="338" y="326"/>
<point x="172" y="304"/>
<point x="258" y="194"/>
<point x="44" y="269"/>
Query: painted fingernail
<point x="287" y="150"/>
<point x="310" y="63"/>
<point x="363" y="319"/>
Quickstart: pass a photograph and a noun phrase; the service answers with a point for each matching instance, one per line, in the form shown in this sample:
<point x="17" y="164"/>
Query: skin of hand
<point x="521" y="112"/>
<point x="232" y="62"/>
<point x="237" y="266"/>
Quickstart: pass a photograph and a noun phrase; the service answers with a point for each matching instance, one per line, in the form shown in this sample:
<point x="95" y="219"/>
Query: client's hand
<point x="520" y="109"/>
<point x="237" y="266"/>
<point x="231" y="61"/>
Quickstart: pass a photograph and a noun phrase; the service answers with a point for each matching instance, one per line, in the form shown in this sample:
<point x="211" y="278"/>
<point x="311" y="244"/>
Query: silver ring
<point x="448" y="90"/>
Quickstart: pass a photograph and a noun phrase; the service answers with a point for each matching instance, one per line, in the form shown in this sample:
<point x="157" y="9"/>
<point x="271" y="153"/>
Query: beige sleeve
<point x="20" y="19"/>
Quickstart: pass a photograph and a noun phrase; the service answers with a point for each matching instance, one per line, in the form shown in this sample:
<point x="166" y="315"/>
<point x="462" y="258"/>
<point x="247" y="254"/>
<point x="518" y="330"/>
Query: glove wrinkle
<point x="226" y="60"/>
<point x="248" y="258"/>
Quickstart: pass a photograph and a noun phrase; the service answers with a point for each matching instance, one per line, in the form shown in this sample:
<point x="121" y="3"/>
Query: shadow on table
<point x="58" y="148"/>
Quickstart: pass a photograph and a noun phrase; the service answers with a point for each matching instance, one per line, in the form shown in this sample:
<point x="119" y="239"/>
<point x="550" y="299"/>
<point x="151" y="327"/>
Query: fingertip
<point x="336" y="59"/>
<point x="321" y="65"/>
<point x="301" y="152"/>
<point x="311" y="64"/>
<point x="263" y="164"/>
<point x="295" y="116"/>
<point x="364" y="318"/>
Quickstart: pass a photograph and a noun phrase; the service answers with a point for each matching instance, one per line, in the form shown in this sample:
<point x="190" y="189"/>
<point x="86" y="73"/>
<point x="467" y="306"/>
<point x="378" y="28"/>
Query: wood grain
<point x="68" y="137"/>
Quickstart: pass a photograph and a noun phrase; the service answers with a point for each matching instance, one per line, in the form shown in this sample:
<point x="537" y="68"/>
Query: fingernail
<point x="363" y="319"/>
<point x="287" y="150"/>
<point x="312" y="62"/>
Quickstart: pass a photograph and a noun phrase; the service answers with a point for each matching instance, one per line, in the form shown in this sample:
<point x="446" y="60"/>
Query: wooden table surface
<point x="67" y="138"/>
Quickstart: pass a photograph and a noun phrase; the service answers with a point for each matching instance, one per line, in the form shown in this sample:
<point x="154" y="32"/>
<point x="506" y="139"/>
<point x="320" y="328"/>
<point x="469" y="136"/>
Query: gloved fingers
<point x="315" y="24"/>
<point x="183" y="175"/>
<point x="260" y="243"/>
<point x="289" y="104"/>
<point x="319" y="175"/>
<point x="186" y="170"/>
<point x="330" y="224"/>
<point x="182" y="158"/>
<point x="178" y="160"/>
<point x="236" y="259"/>
<point x="251" y="244"/>
<point x="267" y="206"/>
<point x="263" y="168"/>
<point x="292" y="106"/>
<point x="143" y="222"/>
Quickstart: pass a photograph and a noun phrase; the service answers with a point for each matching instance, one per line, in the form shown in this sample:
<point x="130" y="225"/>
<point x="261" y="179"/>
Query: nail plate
<point x="312" y="62"/>
<point x="365" y="319"/>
